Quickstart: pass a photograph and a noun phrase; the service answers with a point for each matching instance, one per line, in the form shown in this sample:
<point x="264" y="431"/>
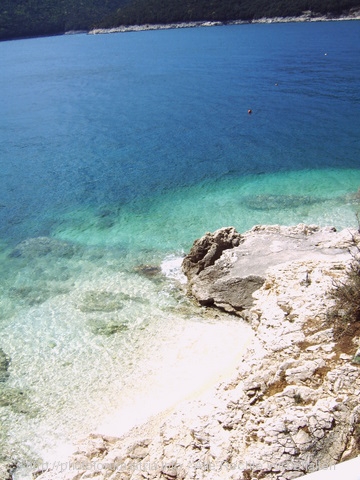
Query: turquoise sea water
<point x="117" y="151"/>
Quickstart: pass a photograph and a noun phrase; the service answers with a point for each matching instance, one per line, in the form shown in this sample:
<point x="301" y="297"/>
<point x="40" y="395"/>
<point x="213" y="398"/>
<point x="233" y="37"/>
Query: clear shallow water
<point x="118" y="151"/>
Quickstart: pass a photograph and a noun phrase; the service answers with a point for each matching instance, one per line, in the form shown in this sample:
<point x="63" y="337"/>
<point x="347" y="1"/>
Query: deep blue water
<point x="113" y="119"/>
<point x="130" y="146"/>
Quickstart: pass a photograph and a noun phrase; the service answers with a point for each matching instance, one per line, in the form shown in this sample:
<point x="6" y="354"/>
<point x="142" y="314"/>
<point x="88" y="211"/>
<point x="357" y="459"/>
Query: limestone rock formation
<point x="206" y="250"/>
<point x="225" y="268"/>
<point x="292" y="408"/>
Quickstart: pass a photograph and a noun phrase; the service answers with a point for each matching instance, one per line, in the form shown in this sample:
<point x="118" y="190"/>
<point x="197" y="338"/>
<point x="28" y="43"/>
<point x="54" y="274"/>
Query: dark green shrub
<point x="347" y="292"/>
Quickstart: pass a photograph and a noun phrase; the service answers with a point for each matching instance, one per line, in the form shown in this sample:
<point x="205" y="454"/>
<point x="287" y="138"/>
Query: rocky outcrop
<point x="293" y="406"/>
<point x="209" y="283"/>
<point x="208" y="249"/>
<point x="224" y="269"/>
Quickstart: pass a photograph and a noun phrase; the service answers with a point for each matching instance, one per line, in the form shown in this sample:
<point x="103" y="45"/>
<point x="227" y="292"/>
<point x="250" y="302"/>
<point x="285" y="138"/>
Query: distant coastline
<point x="306" y="17"/>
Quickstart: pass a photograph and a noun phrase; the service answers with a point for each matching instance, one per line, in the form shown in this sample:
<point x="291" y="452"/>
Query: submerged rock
<point x="149" y="271"/>
<point x="279" y="202"/>
<point x="4" y="366"/>
<point x="29" y="295"/>
<point x="15" y="399"/>
<point x="35" y="293"/>
<point x="43" y="246"/>
<point x="106" y="218"/>
<point x="103" y="301"/>
<point x="107" y="327"/>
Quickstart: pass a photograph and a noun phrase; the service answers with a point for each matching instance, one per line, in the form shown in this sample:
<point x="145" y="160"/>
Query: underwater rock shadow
<point x="279" y="202"/>
<point x="4" y="366"/>
<point x="44" y="246"/>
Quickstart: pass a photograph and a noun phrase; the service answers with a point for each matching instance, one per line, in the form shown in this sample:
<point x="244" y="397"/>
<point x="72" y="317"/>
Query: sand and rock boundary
<point x="293" y="405"/>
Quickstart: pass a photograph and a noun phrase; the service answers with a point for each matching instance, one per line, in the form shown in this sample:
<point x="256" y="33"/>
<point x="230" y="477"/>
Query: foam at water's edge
<point x="171" y="268"/>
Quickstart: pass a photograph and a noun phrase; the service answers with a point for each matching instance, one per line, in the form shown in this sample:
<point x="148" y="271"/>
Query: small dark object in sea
<point x="149" y="271"/>
<point x="275" y="202"/>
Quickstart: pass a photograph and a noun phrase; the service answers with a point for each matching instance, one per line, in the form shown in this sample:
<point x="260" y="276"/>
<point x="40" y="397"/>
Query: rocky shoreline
<point x="293" y="405"/>
<point x="306" y="17"/>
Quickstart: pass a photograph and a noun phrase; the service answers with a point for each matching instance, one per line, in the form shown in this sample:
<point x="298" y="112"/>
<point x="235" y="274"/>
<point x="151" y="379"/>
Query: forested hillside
<point x="26" y="18"/>
<point x="168" y="11"/>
